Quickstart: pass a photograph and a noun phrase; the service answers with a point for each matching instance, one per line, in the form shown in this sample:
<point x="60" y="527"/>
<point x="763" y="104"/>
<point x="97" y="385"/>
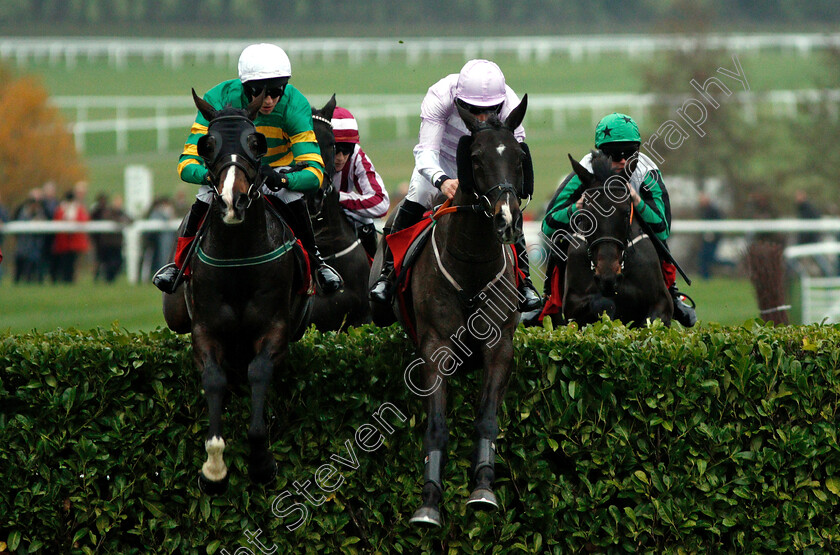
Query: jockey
<point x="617" y="136"/>
<point x="479" y="87"/>
<point x="360" y="190"/>
<point x="285" y="118"/>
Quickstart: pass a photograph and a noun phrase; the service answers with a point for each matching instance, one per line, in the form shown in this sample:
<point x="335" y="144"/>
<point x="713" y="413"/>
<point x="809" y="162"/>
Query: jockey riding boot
<point x="165" y="278"/>
<point x="410" y="213"/>
<point x="297" y="214"/>
<point x="683" y="313"/>
<point x="530" y="299"/>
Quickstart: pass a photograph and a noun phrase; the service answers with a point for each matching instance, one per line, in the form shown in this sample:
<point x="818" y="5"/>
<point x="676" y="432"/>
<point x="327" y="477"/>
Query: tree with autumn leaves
<point x="35" y="144"/>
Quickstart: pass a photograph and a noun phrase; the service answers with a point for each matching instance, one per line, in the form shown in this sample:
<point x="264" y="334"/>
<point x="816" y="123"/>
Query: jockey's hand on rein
<point x="449" y="187"/>
<point x="272" y="179"/>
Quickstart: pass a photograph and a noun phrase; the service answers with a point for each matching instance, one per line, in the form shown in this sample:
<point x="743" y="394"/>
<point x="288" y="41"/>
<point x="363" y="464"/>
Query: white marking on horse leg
<point x="227" y="194"/>
<point x="214" y="468"/>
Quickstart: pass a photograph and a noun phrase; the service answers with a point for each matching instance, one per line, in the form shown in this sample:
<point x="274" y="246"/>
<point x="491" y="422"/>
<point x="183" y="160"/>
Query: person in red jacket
<point x="68" y="245"/>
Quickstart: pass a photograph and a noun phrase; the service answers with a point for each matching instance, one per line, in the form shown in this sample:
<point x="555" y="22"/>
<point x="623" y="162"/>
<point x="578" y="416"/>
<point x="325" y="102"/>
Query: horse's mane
<point x="493" y="122"/>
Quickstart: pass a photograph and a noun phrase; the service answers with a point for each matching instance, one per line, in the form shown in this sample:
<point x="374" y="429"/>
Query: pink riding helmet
<point x="481" y="83"/>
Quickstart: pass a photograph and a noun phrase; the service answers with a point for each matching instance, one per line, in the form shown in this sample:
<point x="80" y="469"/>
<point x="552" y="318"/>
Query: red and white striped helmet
<point x="345" y="128"/>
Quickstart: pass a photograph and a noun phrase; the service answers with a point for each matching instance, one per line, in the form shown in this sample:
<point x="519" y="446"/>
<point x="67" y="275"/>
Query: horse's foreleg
<point x="261" y="465"/>
<point x="434" y="444"/>
<point x="214" y="473"/>
<point x="498" y="368"/>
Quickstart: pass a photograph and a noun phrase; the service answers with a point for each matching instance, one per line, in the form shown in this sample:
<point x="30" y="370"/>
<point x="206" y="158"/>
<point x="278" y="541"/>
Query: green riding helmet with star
<point x="616" y="128"/>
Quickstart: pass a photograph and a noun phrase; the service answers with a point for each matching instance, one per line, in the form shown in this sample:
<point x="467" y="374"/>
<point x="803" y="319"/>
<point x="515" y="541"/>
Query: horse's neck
<point x="469" y="237"/>
<point x="332" y="227"/>
<point x="250" y="238"/>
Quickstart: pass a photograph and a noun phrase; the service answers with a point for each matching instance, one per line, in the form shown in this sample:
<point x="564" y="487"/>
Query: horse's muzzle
<point x="608" y="284"/>
<point x="234" y="215"/>
<point x="507" y="222"/>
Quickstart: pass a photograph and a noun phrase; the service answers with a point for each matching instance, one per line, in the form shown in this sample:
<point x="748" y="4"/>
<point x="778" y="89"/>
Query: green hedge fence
<point x="714" y="439"/>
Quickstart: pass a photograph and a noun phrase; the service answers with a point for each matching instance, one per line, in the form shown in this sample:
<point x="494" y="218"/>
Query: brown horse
<point x="241" y="302"/>
<point x="336" y="239"/>
<point x="612" y="266"/>
<point x="465" y="308"/>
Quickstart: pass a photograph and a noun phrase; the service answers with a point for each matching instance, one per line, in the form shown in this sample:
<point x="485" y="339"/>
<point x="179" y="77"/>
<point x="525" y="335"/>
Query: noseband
<point x="483" y="203"/>
<point x="622" y="245"/>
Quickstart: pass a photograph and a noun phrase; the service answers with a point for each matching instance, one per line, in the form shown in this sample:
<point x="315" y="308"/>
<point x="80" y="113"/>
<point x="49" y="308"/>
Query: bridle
<point x="591" y="246"/>
<point x="248" y="163"/>
<point x="483" y="203"/>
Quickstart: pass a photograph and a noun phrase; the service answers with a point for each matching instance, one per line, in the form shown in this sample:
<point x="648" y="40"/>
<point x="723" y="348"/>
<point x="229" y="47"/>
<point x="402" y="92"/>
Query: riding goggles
<point x="254" y="88"/>
<point x="476" y="110"/>
<point x="344" y="148"/>
<point x="620" y="151"/>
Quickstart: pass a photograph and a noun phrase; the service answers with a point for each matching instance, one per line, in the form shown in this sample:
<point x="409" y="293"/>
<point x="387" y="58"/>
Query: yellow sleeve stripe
<point x="286" y="160"/>
<point x="198" y="128"/>
<point x="184" y="164"/>
<point x="272" y="132"/>
<point x="313" y="157"/>
<point x="305" y="137"/>
<point x="190" y="150"/>
<point x="318" y="173"/>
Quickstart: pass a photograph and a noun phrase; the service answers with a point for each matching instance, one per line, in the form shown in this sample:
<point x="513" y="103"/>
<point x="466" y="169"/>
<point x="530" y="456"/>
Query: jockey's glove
<point x="272" y="179"/>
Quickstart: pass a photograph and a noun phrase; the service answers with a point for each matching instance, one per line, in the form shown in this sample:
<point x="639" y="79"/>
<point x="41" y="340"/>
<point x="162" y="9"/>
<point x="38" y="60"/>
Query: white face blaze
<point x="505" y="210"/>
<point x="500" y="149"/>
<point x="227" y="196"/>
<point x="214" y="468"/>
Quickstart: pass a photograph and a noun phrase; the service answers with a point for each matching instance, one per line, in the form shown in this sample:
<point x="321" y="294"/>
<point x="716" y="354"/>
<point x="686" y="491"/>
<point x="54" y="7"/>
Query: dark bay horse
<point x="613" y="266"/>
<point x="465" y="308"/>
<point x="241" y="302"/>
<point x="337" y="241"/>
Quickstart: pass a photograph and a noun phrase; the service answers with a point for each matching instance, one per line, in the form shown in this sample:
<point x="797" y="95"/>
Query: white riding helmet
<point x="263" y="61"/>
<point x="481" y="83"/>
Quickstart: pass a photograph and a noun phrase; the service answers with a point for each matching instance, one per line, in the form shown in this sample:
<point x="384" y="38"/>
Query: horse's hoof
<point x="483" y="499"/>
<point x="427" y="516"/>
<point x="210" y="487"/>
<point x="265" y="475"/>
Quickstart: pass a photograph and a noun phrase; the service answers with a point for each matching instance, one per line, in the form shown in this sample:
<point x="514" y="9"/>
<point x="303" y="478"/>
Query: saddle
<point x="554" y="301"/>
<point x="406" y="246"/>
<point x="303" y="284"/>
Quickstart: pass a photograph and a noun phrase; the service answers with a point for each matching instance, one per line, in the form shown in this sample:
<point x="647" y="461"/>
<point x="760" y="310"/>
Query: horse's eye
<point x="257" y="145"/>
<point x="206" y="146"/>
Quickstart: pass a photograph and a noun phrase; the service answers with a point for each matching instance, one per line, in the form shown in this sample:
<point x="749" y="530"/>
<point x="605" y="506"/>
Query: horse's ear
<point x="254" y="107"/>
<point x="586" y="177"/>
<point x="469" y="119"/>
<point x="329" y="108"/>
<point x="203" y="106"/>
<point x="516" y="116"/>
